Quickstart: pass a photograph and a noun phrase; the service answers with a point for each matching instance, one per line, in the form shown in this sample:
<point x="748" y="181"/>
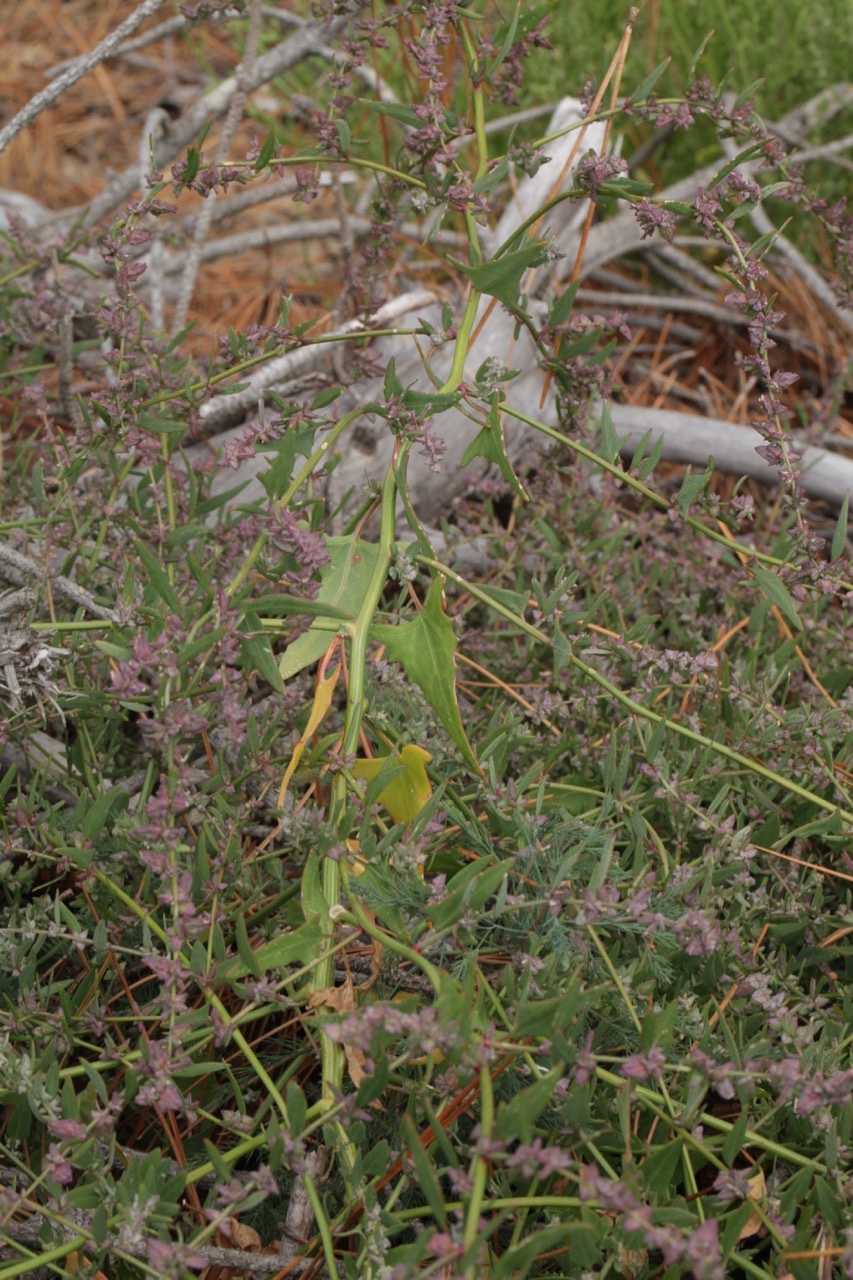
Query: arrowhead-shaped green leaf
<point x="426" y="649"/>
<point x="491" y="445"/>
<point x="501" y="278"/>
<point x="343" y="583"/>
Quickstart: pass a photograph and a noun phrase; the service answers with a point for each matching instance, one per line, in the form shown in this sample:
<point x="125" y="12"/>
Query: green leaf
<point x="759" y="247"/>
<point x="374" y="1085"/>
<point x="494" y="177"/>
<point x="294" y="441"/>
<point x="660" y="1167"/>
<point x="178" y="340"/>
<point x="692" y="487"/>
<point x="158" y="576"/>
<point x="562" y="308"/>
<point x="657" y="1028"/>
<point x="574" y="1239"/>
<point x="516" y="601"/>
<point x="734" y="1223"/>
<point x="523" y="21"/>
<point x="297" y="947"/>
<point x="735" y="1139"/>
<point x="160" y="425"/>
<point x="774" y="590"/>
<point x="297" y="1108"/>
<point x="378" y="1158"/>
<point x="491" y="445"/>
<point x="392" y="386"/>
<point x="621" y="188"/>
<point x="244" y="946"/>
<point x="408" y="787"/>
<point x="544" y="1017"/>
<point x="746" y="94"/>
<point x="185" y="533"/>
<point x="426" y="649"/>
<point x="839" y="537"/>
<point x="610" y="442"/>
<point x="343" y="584"/>
<point x="219" y="500"/>
<point x="396" y="111"/>
<point x="645" y="87"/>
<point x="192" y="165"/>
<point x="424" y="1171"/>
<point x="314" y="904"/>
<point x="516" y="1117"/>
<point x="98" y="1226"/>
<point x="344" y="134"/>
<point x="266" y="152"/>
<point x="643" y="467"/>
<point x="220" y="1165"/>
<point x="586" y="342"/>
<point x="501" y="278"/>
<point x="430" y="402"/>
<point x="99" y="813"/>
<point x="282" y="605"/>
<point x="470" y="895"/>
<point x="748" y="153"/>
<point x="324" y="398"/>
<point x="256" y="652"/>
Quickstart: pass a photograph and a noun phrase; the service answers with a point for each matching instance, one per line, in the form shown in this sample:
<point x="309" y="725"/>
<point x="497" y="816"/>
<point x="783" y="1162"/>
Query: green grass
<point x="793" y="49"/>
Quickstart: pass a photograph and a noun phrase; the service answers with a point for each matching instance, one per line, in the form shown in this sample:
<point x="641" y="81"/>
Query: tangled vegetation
<point x="380" y="900"/>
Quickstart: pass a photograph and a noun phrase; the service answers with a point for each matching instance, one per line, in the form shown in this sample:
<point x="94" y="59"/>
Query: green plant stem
<point x="364" y="618"/>
<point x="332" y="1054"/>
<point x="615" y="976"/>
<point x="637" y="708"/>
<point x="322" y="1224"/>
<point x="357" y="916"/>
<point x="48" y="1257"/>
<point x="497" y="1204"/>
<point x="463" y="338"/>
<point x="639" y="487"/>
<point x="752" y="1138"/>
<point x="66" y="628"/>
<point x="202" y="385"/>
<point x="701" y="739"/>
<point x="292" y="489"/>
<point x="479" y="1171"/>
<point x="210" y="997"/>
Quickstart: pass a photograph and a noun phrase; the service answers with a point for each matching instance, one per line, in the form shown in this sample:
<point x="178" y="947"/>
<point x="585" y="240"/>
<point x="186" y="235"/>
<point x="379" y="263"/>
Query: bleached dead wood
<point x="688" y="437"/>
<point x="366" y="452"/>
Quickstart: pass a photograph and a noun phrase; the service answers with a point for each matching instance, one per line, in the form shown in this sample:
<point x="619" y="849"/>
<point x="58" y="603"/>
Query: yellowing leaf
<point x="359" y="866"/>
<point x="321" y="704"/>
<point x="407" y="793"/>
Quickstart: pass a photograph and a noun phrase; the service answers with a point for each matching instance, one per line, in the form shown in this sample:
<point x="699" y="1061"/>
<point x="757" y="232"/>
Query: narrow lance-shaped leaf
<point x="774" y="589"/>
<point x="319" y="707"/>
